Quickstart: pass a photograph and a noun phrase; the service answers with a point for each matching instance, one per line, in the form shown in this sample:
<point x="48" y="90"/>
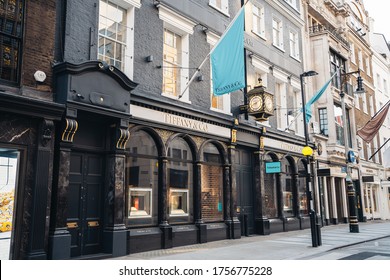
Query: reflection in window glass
<point x="302" y="199"/>
<point x="287" y="188"/>
<point x="142" y="180"/>
<point x="112" y="33"/>
<point x="8" y="175"/>
<point x="180" y="182"/>
<point x="171" y="63"/>
<point x="270" y="195"/>
<point x="212" y="185"/>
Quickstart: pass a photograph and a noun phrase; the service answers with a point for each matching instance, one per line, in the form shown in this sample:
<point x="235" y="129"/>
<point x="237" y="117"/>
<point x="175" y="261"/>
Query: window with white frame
<point x="357" y="101"/>
<point x="294" y="44"/>
<point x="360" y="59"/>
<point x="277" y="33"/>
<point x="385" y="86"/>
<point x="258" y="24"/>
<point x="171" y="63"/>
<point x="116" y="33"/>
<point x="219" y="103"/>
<point x="360" y="148"/>
<point x="353" y="55"/>
<point x="369" y="151"/>
<point x="221" y="5"/>
<point x="367" y="64"/>
<point x="378" y="81"/>
<point x="364" y="103"/>
<point x="371" y="100"/>
<point x="292" y="3"/>
<point x="175" y="53"/>
<point x="281" y="105"/>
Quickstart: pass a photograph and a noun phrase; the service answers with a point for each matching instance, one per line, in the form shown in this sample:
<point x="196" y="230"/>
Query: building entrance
<point x="244" y="177"/>
<point x="86" y="186"/>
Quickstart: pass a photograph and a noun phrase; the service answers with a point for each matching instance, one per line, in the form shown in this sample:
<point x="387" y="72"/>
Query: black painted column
<point x="202" y="227"/>
<point x="262" y="225"/>
<point x="43" y="174"/>
<point x="166" y="239"/>
<point x="233" y="221"/>
<point x="115" y="234"/>
<point x="59" y="236"/>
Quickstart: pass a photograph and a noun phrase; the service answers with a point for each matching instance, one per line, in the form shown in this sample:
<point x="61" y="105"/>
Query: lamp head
<point x="309" y="73"/>
<point x="360" y="90"/>
<point x="307" y="151"/>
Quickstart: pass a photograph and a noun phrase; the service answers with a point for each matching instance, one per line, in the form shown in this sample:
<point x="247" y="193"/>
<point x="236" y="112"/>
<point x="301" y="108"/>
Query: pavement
<point x="293" y="245"/>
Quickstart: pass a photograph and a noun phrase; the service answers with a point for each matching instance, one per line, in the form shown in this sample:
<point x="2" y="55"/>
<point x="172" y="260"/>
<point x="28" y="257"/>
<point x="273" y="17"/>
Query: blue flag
<point x="227" y="58"/>
<point x="315" y="98"/>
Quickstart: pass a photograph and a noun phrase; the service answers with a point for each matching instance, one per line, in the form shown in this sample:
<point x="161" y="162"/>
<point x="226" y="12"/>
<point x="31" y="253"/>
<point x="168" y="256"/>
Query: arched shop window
<point x="270" y="193"/>
<point x="142" y="180"/>
<point x="212" y="184"/>
<point x="301" y="186"/>
<point x="287" y="188"/>
<point x="180" y="182"/>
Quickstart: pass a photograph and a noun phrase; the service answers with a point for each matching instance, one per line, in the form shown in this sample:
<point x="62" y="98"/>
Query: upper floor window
<point x="11" y="35"/>
<point x="378" y="82"/>
<point x="294" y="45"/>
<point x="116" y="35"/>
<point x="360" y="59"/>
<point x="292" y="3"/>
<point x="323" y="114"/>
<point x="337" y="64"/>
<point x="177" y="30"/>
<point x="219" y="103"/>
<point x="221" y="5"/>
<point x="277" y="33"/>
<point x="367" y="65"/>
<point x="172" y="63"/>
<point x="353" y="55"/>
<point x="258" y="20"/>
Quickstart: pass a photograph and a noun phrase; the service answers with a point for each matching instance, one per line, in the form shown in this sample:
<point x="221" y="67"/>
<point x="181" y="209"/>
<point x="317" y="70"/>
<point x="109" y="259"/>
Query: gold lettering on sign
<point x="290" y="147"/>
<point x="186" y="123"/>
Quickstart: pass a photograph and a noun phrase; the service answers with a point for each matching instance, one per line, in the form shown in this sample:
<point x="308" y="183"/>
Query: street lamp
<point x="353" y="221"/>
<point x="308" y="152"/>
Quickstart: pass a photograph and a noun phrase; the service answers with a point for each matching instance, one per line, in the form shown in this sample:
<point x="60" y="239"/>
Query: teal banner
<point x="227" y="59"/>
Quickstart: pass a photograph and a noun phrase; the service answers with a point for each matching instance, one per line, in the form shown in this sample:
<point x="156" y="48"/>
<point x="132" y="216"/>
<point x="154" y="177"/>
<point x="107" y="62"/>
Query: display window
<point x="212" y="184"/>
<point x="180" y="182"/>
<point x="301" y="186"/>
<point x="140" y="201"/>
<point x="141" y="180"/>
<point x="287" y="188"/>
<point x="9" y="161"/>
<point x="270" y="202"/>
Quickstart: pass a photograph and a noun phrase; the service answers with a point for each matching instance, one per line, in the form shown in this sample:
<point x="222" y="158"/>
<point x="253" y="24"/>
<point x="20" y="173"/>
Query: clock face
<point x="269" y="104"/>
<point x="255" y="103"/>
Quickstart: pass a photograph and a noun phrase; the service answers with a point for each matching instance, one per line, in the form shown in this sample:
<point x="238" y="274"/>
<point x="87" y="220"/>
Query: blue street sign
<point x="351" y="156"/>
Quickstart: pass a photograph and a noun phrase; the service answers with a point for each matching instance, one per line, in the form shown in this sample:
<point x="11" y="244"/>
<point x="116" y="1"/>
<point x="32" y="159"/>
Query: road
<point x="373" y="250"/>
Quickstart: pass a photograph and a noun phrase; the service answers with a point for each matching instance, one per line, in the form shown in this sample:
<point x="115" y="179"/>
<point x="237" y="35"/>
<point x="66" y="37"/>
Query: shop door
<point x="86" y="184"/>
<point x="244" y="179"/>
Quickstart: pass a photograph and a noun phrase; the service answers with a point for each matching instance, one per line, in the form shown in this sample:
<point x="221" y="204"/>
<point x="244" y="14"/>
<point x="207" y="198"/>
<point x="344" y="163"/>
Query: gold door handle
<point x="93" y="224"/>
<point x="72" y="225"/>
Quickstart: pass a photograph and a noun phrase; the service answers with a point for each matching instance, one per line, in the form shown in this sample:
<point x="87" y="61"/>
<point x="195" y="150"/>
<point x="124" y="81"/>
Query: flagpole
<point x="208" y="55"/>
<point x="245" y="89"/>
<point x="379" y="149"/>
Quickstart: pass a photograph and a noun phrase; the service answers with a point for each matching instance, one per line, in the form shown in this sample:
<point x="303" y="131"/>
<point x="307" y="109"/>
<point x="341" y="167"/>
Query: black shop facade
<point x="139" y="175"/>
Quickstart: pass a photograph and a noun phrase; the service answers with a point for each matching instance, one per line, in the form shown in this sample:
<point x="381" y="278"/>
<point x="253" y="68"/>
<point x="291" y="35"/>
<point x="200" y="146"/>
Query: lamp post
<point x="308" y="152"/>
<point x="353" y="221"/>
